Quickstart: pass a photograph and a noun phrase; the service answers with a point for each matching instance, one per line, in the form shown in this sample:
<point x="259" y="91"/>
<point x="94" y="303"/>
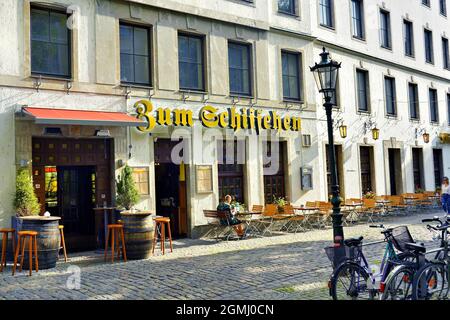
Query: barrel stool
<point x="32" y="246"/>
<point x="160" y="226"/>
<point x="63" y="242"/>
<point x="5" y="233"/>
<point x="116" y="232"/>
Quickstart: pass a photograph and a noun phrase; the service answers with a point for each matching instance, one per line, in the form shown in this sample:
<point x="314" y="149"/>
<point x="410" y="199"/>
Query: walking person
<point x="445" y="195"/>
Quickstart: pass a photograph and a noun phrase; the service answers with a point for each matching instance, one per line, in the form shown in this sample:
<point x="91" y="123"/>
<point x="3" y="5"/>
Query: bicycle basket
<point x="337" y="255"/>
<point x="400" y="237"/>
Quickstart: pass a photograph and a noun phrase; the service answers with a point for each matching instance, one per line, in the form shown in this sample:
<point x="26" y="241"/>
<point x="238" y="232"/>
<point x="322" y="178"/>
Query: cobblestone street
<point x="278" y="267"/>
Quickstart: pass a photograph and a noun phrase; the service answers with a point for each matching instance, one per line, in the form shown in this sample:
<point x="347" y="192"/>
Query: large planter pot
<point x="48" y="239"/>
<point x="138" y="231"/>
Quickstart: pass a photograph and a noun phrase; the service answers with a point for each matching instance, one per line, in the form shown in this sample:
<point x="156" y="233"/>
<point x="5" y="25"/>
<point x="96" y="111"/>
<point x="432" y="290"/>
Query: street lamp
<point x="343" y="131"/>
<point x="375" y="133"/>
<point x="326" y="73"/>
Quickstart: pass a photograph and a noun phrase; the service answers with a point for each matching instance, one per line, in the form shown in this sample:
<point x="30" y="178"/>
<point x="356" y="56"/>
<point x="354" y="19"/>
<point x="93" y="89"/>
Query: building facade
<point x="209" y="71"/>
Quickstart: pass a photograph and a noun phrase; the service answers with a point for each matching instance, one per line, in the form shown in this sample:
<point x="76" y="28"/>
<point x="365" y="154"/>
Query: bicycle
<point x="398" y="284"/>
<point x="354" y="273"/>
<point x="431" y="281"/>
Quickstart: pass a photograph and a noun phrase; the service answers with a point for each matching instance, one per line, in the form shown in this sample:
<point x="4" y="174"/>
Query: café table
<point x="251" y="223"/>
<point x="308" y="212"/>
<point x="353" y="213"/>
<point x="102" y="230"/>
<point x="384" y="205"/>
<point x="409" y="201"/>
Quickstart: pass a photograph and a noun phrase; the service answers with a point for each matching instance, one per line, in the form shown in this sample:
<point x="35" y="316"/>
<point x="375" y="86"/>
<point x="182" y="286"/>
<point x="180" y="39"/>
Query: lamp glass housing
<point x="326" y="75"/>
<point x="375" y="133"/>
<point x="343" y="131"/>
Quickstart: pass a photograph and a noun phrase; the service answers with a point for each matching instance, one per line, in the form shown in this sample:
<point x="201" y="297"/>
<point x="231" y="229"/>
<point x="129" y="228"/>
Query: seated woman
<point x="226" y="206"/>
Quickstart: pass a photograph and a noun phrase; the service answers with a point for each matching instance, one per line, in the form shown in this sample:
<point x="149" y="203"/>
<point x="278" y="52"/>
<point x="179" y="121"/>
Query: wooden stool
<point x="5" y="233"/>
<point x="116" y="231"/>
<point x="160" y="224"/>
<point x="32" y="245"/>
<point x="62" y="243"/>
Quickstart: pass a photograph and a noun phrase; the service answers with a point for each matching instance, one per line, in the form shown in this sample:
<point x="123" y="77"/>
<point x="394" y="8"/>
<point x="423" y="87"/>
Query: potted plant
<point x="369" y="195"/>
<point x="280" y="202"/>
<point x="27" y="209"/>
<point x="137" y="225"/>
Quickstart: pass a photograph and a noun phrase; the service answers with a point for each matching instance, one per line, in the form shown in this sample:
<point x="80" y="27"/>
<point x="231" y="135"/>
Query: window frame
<point x="294" y="12"/>
<point x="202" y="38"/>
<point x="249" y="47"/>
<point x="448" y="108"/>
<point x="443" y="7"/>
<point x="332" y="26"/>
<point x="446" y="53"/>
<point x="413" y="49"/>
<point x="299" y="57"/>
<point x="367" y="91"/>
<point x="389" y="29"/>
<point x="425" y="33"/>
<point x="436" y="105"/>
<point x="149" y="29"/>
<point x="417" y="101"/>
<point x="362" y="20"/>
<point x="394" y="91"/>
<point x="49" y="8"/>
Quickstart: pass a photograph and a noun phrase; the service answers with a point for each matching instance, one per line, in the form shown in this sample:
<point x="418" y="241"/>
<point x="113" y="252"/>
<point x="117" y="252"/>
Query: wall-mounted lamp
<point x="370" y="125"/>
<point x="375" y="133"/>
<point x="342" y="128"/>
<point x="424" y="133"/>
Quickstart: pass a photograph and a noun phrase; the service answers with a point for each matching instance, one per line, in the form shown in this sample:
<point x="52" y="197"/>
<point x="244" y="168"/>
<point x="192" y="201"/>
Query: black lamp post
<point x="326" y="74"/>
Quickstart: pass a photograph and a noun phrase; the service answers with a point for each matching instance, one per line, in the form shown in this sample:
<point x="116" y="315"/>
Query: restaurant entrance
<point x="71" y="177"/>
<point x="170" y="181"/>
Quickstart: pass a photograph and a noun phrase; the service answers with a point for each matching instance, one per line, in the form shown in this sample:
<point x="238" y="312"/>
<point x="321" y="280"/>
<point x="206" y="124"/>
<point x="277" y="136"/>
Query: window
<point x="134" y="55"/>
<point x="190" y="62"/>
<point x="362" y="87"/>
<point x="274" y="182"/>
<point x="290" y="63"/>
<point x="438" y="167"/>
<point x="357" y="19"/>
<point x="434" y="109"/>
<point x="443" y="7"/>
<point x="448" y="108"/>
<point x="390" y="94"/>
<point x="385" y="29"/>
<point x="366" y="165"/>
<point x="287" y="6"/>
<point x="239" y="61"/>
<point x="231" y="169"/>
<point x="413" y="97"/>
<point x="326" y="13"/>
<point x="426" y="3"/>
<point x="408" y="34"/>
<point x="50" y="43"/>
<point x="445" y="53"/>
<point x="428" y="46"/>
<point x="140" y="178"/>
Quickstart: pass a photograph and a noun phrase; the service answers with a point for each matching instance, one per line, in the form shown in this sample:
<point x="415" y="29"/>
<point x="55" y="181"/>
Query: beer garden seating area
<point x="270" y="219"/>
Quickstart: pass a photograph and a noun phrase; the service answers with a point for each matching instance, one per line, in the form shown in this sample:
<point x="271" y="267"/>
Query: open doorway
<point x="395" y="171"/>
<point x="171" y="197"/>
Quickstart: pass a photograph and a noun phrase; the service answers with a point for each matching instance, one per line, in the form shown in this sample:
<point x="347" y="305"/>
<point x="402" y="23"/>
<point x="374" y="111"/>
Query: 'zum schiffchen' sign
<point x="210" y="117"/>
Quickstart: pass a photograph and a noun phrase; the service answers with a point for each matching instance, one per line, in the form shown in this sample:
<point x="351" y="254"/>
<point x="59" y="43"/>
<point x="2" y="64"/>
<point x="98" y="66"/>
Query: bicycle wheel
<point x="429" y="282"/>
<point x="349" y="282"/>
<point x="398" y="285"/>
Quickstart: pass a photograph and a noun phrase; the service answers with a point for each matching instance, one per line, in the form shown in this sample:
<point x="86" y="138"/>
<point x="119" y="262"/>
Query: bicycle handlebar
<point x="379" y="226"/>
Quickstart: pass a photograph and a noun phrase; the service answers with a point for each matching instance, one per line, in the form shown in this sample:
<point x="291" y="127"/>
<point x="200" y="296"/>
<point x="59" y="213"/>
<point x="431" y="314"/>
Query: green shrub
<point x="127" y="194"/>
<point x="25" y="200"/>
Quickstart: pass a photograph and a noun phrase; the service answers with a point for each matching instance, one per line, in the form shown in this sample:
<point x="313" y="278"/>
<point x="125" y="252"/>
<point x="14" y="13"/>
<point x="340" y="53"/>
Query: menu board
<point x="204" y="178"/>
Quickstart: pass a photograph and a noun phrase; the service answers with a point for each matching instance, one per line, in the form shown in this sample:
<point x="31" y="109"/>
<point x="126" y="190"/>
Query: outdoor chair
<point x="285" y="218"/>
<point x="267" y="218"/>
<point x="370" y="210"/>
<point x="219" y="223"/>
<point x="257" y="208"/>
<point x="296" y="223"/>
<point x="398" y="204"/>
<point x="423" y="200"/>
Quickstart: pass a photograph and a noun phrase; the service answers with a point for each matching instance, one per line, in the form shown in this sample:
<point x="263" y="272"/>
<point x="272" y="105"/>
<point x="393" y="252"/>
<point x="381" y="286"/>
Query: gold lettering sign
<point x="210" y="117"/>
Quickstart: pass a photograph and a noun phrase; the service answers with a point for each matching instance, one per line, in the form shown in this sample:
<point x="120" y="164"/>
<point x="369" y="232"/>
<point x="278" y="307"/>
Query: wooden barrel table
<point x="48" y="239"/>
<point x="138" y="230"/>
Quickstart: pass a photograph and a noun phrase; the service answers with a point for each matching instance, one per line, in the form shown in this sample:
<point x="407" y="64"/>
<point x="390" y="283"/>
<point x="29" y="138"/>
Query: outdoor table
<point x="247" y="217"/>
<point x="307" y="213"/>
<point x="103" y="230"/>
<point x="383" y="204"/>
<point x="353" y="213"/>
<point x="409" y="201"/>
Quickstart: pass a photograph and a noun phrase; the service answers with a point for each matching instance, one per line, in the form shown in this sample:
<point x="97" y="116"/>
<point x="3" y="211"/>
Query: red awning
<point x="81" y="117"/>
